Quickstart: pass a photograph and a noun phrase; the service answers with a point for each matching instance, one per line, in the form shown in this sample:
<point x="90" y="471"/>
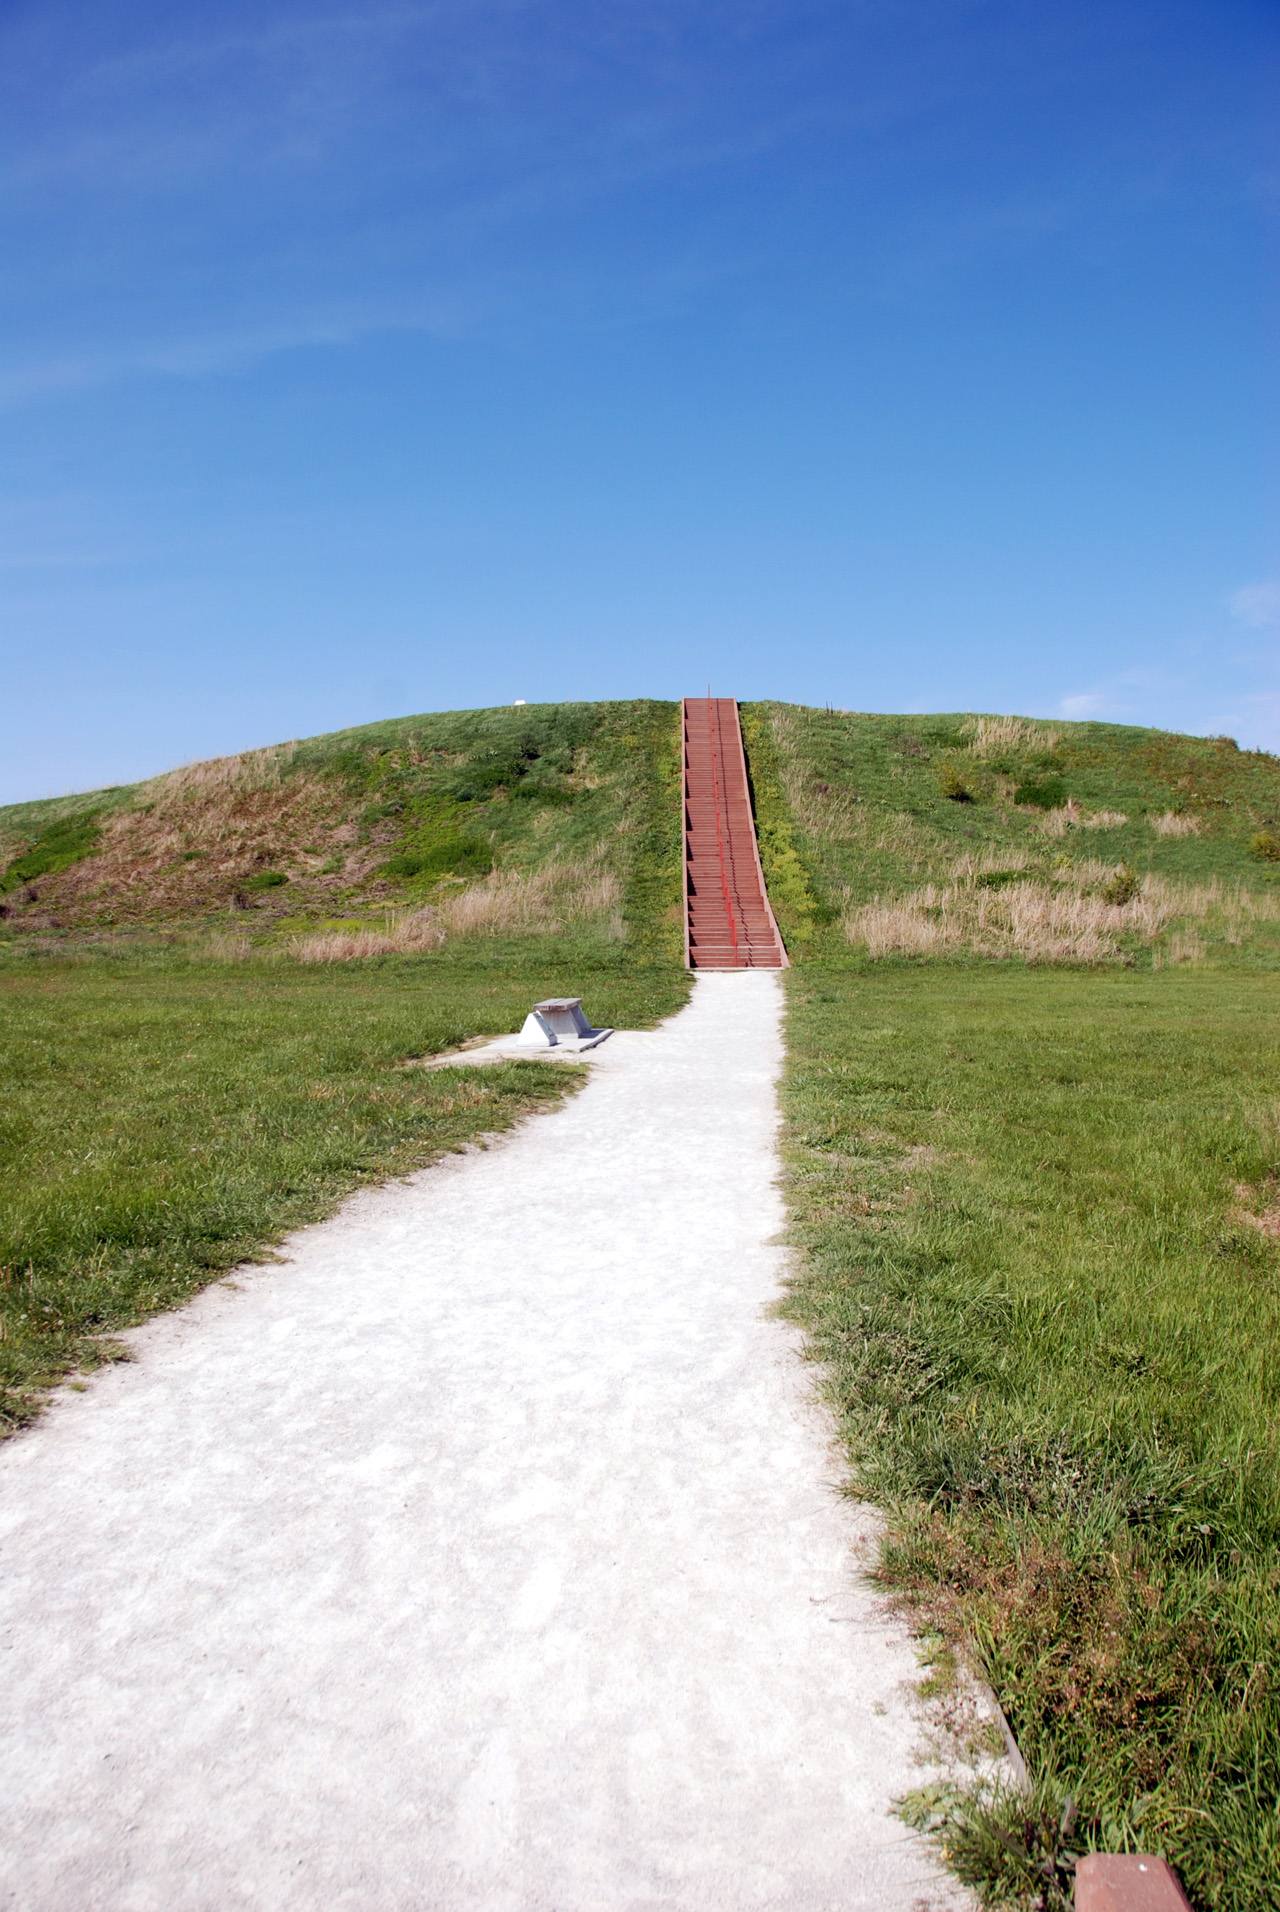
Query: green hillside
<point x="545" y="817"/>
<point x="949" y="835"/>
<point x="904" y="835"/>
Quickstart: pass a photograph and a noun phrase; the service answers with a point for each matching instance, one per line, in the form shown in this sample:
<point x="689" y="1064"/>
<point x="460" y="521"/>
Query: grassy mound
<point x="1032" y="1133"/>
<point x="999" y="837"/>
<point x="545" y="818"/>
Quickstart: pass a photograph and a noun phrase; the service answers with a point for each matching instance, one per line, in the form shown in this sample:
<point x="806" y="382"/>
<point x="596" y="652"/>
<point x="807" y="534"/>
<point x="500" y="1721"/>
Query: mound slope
<point x="544" y="815"/>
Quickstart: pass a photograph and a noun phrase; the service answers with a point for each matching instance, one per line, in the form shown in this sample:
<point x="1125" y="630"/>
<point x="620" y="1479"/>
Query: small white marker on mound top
<point x="555" y="1029"/>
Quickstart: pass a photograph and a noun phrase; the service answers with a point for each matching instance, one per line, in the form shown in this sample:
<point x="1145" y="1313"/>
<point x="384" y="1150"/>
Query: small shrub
<point x="265" y="880"/>
<point x="1266" y="846"/>
<point x="1122" y="887"/>
<point x="952" y="785"/>
<point x="1049" y="793"/>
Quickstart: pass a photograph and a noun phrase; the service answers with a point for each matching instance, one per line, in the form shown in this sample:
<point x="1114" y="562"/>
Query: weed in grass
<point x="1121" y="886"/>
<point x="952" y="785"/>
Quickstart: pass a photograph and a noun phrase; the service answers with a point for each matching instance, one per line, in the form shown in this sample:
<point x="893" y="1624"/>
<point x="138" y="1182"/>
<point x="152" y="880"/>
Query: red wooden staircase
<point x="728" y="922"/>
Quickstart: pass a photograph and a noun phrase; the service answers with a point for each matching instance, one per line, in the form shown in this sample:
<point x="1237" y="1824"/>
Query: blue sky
<point x="362" y="359"/>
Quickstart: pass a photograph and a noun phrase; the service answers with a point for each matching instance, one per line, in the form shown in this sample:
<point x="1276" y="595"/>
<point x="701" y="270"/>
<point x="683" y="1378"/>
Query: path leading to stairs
<point x="486" y="1555"/>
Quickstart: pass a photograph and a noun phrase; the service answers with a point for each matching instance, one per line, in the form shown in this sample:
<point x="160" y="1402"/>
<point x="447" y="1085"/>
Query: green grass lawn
<point x="164" y="1118"/>
<point x="1039" y="1212"/>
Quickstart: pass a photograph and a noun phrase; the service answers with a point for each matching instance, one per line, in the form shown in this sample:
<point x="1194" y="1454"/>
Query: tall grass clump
<point x="1174" y="823"/>
<point x="1001" y="736"/>
<point x="522" y="903"/>
<point x="1090" y="913"/>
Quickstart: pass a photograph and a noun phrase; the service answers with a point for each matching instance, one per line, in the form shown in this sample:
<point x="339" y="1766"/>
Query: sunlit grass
<point x="164" y="1118"/>
<point x="1036" y="1209"/>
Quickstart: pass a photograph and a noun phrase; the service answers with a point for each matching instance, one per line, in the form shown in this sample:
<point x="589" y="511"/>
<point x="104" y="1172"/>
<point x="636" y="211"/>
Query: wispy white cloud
<point x="1257" y="605"/>
<point x="224" y="192"/>
<point x="205" y="353"/>
<point x="1087" y="703"/>
<point x="304" y="148"/>
<point x="1201" y="690"/>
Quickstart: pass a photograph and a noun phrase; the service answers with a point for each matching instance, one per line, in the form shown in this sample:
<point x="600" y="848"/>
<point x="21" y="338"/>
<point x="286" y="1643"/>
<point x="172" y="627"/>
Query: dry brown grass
<point x="195" y="835"/>
<point x="997" y="856"/>
<point x="1064" y="921"/>
<point x="1259" y="1207"/>
<point x="225" y="947"/>
<point x="1072" y="816"/>
<point x="507" y="903"/>
<point x="534" y="902"/>
<point x="1184" y="946"/>
<point x="997" y="736"/>
<point x="1172" y="823"/>
<point x="251" y="770"/>
<point x="401" y="933"/>
<point x="1056" y="822"/>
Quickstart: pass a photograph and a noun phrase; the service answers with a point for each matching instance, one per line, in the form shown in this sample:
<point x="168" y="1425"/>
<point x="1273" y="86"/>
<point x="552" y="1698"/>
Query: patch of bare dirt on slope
<point x="197" y="837"/>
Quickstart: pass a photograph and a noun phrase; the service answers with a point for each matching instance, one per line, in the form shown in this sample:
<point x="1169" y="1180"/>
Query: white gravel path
<point x="485" y="1556"/>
